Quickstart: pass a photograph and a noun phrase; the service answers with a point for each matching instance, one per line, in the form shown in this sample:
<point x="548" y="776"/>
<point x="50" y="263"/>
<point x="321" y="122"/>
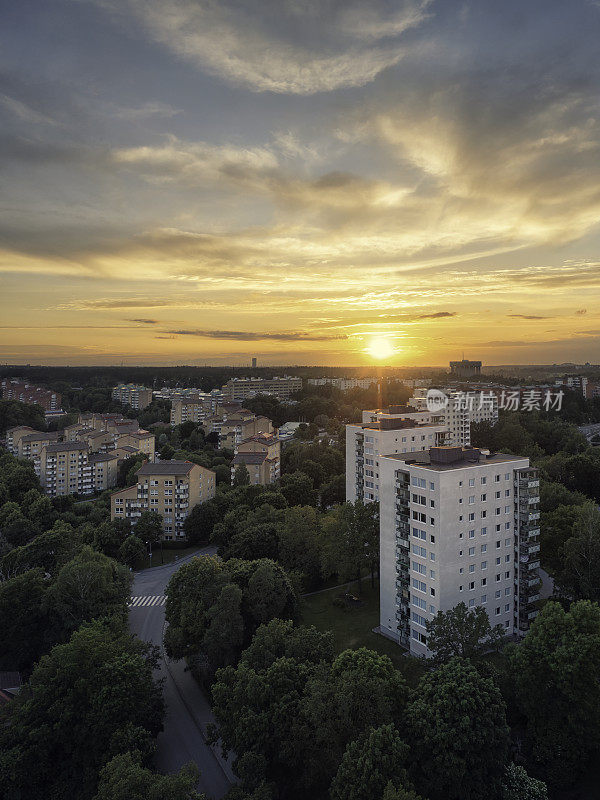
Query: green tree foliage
<point x="289" y="712"/>
<point x="456" y="723"/>
<point x="132" y="551"/>
<point x="13" y="414"/>
<point x="350" y="540"/>
<point x="391" y="792"/>
<point x="556" y="528"/>
<point x="333" y="491"/>
<point x="518" y="785"/>
<point x="299" y="547"/>
<point x="369" y="764"/>
<point x="556" y="671"/>
<point x="579" y="576"/>
<point x="297" y="488"/>
<point x="148" y="528"/>
<point x="224" y="635"/>
<point x="87" y="587"/>
<point x="22" y="620"/>
<point x="280" y="638"/>
<point x="195" y="598"/>
<point x="125" y="778"/>
<point x="126" y="475"/>
<point x="241" y="476"/>
<point x="462" y="632"/>
<point x="86" y="701"/>
<point x="361" y="690"/>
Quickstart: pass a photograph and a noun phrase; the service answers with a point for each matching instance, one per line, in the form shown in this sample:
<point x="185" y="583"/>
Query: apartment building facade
<point x="171" y="488"/>
<point x="261" y="455"/>
<point x="243" y="388"/>
<point x="191" y="409"/>
<point x="65" y="469"/>
<point x="25" y="392"/>
<point x="344" y="384"/>
<point x="85" y="456"/>
<point x="132" y="395"/>
<point x="457" y="525"/>
<point x="237" y="429"/>
<point x="366" y="442"/>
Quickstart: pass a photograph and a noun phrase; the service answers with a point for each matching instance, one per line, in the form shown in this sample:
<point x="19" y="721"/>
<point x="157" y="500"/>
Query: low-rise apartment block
<point x="236" y="429"/>
<point x="191" y="409"/>
<point x="25" y="392"/>
<point x="132" y="395"/>
<point x="171" y="488"/>
<point x="262" y="456"/>
<point x="457" y="525"/>
<point x="366" y="442"/>
<point x="344" y="384"/>
<point x="243" y="388"/>
<point x="85" y="456"/>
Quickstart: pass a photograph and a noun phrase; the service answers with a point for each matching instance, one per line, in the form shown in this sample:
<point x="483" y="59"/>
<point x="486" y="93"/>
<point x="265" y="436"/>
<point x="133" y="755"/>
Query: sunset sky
<point x="306" y="181"/>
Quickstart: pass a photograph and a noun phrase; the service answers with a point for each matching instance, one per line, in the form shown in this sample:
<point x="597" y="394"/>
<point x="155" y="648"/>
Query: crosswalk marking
<point x="148" y="600"/>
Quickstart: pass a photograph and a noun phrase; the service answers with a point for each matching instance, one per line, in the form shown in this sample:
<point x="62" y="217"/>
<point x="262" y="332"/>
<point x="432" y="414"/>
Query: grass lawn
<point x="353" y="627"/>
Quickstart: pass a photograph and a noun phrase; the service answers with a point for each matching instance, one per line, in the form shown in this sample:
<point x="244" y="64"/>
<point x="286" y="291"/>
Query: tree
<point x="132" y="551"/>
<point x="241" y="476"/>
<point x="225" y="631"/>
<point x="391" y="792"/>
<point x="580" y="576"/>
<point x="456" y="723"/>
<point x="299" y="546"/>
<point x="13" y="414"/>
<point x="22" y="620"/>
<point x="369" y="764"/>
<point x="258" y="715"/>
<point x="125" y="778"/>
<point x="297" y="488"/>
<point x="166" y="452"/>
<point x="361" y="690"/>
<point x="149" y="528"/>
<point x="195" y="590"/>
<point x="87" y="701"/>
<point x="280" y="638"/>
<point x="89" y="586"/>
<point x="333" y="491"/>
<point x="556" y="671"/>
<point x="268" y="593"/>
<point x="350" y="540"/>
<point x="518" y="785"/>
<point x="462" y="632"/>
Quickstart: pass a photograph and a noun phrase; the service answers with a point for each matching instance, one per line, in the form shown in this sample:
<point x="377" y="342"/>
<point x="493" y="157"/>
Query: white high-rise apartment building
<point x="365" y="442"/>
<point x="457" y="525"/>
<point x="461" y="410"/>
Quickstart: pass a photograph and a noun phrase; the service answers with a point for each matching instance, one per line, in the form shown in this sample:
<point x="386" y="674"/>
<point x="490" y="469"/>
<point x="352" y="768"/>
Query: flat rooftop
<point x="443" y="459"/>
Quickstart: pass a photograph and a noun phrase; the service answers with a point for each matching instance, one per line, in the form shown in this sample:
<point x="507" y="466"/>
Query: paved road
<point x="187" y="710"/>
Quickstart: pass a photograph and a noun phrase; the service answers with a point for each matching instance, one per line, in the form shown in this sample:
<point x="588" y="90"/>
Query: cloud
<point x="146" y="110"/>
<point x="437" y="315"/>
<point x="287" y="48"/>
<point x="527" y="316"/>
<point x="145" y="321"/>
<point x="252" y="336"/>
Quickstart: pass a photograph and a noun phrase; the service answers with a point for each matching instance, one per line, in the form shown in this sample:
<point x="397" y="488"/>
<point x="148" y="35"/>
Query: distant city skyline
<point x="327" y="183"/>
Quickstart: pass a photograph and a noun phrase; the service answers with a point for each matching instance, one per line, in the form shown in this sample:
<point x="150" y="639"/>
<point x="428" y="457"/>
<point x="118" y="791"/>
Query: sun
<point x="380" y="348"/>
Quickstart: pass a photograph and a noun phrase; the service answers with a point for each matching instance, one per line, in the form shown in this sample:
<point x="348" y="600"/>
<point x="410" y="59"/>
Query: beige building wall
<point x="171" y="488"/>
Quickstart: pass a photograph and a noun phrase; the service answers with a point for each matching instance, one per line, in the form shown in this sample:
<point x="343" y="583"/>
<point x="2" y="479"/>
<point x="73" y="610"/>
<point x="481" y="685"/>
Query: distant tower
<point x="253" y="363"/>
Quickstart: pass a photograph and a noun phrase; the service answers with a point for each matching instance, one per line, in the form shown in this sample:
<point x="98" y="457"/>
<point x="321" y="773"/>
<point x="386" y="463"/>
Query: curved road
<point x="187" y="709"/>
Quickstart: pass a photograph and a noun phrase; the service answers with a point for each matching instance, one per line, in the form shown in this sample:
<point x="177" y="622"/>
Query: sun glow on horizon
<point x="380" y="348"/>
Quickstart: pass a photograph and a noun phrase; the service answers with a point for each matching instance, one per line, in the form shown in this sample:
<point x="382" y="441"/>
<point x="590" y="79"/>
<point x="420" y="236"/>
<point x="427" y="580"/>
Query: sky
<point x="334" y="182"/>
